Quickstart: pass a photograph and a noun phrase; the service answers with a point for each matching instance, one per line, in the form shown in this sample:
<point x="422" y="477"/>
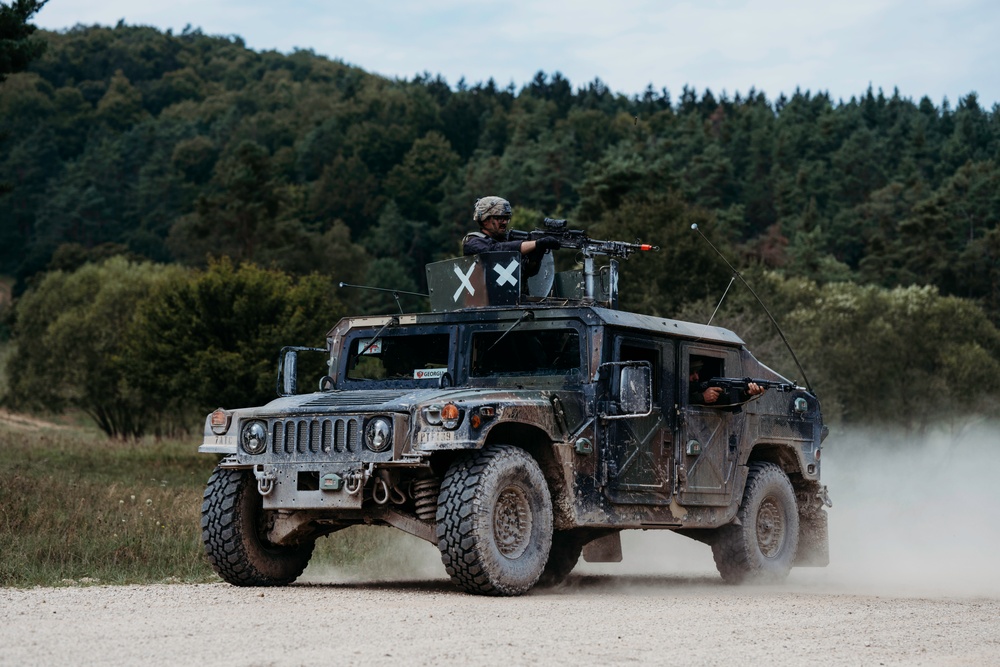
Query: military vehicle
<point x="516" y="425"/>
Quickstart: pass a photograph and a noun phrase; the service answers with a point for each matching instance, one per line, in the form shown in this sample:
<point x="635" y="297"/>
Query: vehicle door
<point x="637" y="452"/>
<point x="708" y="440"/>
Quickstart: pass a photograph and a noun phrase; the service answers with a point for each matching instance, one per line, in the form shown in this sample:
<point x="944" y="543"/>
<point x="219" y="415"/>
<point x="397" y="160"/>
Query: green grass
<point x="76" y="507"/>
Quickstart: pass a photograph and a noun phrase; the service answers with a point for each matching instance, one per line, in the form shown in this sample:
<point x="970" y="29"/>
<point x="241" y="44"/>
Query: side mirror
<point x="290" y="372"/>
<point x="632" y="389"/>
<point x="635" y="390"/>
<point x="288" y="368"/>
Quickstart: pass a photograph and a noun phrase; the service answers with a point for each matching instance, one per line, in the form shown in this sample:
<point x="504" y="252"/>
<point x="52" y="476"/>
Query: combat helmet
<point x="489" y="206"/>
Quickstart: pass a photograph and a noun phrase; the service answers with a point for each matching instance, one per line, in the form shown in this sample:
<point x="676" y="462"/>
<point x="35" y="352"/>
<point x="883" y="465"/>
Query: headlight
<point x="254" y="437"/>
<point x="378" y="434"/>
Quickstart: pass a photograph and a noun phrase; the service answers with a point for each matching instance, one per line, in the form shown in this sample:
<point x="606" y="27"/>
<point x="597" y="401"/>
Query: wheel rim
<point x="770" y="527"/>
<point x="512" y="522"/>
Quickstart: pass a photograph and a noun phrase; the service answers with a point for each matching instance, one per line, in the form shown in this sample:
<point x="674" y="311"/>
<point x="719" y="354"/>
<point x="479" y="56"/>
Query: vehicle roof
<point x="672" y="327"/>
<point x="592" y="314"/>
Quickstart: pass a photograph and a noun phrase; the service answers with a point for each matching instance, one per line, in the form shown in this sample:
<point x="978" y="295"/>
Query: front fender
<point x="479" y="419"/>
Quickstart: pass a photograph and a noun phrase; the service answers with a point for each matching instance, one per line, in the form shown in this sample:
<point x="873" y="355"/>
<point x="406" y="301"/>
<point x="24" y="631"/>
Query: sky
<point x="935" y="48"/>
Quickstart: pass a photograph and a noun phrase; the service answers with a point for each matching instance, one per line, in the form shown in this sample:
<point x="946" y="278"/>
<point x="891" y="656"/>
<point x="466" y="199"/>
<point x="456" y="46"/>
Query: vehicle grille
<point x="314" y="435"/>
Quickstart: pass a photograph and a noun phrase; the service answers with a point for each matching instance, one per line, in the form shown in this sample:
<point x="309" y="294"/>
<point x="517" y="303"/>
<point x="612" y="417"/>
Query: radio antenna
<point x="773" y="321"/>
<point x="724" y="295"/>
<point x="394" y="292"/>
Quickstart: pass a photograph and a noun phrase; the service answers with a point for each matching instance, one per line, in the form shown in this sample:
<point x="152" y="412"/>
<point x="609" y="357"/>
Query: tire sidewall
<point x="771" y="484"/>
<point x="270" y="562"/>
<point x="518" y="471"/>
<point x="468" y="508"/>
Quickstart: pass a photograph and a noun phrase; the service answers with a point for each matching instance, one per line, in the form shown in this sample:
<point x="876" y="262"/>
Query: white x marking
<point x="506" y="275"/>
<point x="464" y="277"/>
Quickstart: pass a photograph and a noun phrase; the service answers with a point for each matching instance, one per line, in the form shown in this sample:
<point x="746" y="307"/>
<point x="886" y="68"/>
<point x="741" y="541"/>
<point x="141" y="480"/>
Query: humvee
<point x="517" y="425"/>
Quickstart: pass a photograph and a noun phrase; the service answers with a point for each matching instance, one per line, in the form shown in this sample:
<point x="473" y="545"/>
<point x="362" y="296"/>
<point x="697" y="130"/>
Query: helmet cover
<point x="490" y="206"/>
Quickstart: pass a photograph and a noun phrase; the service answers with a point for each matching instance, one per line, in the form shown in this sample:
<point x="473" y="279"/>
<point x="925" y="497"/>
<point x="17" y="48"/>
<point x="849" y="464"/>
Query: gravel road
<point x="913" y="580"/>
<point x="595" y="618"/>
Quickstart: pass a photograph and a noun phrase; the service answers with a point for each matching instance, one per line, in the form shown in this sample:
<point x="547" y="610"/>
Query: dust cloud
<point x="915" y="514"/>
<point x="912" y="515"/>
<point x="390" y="556"/>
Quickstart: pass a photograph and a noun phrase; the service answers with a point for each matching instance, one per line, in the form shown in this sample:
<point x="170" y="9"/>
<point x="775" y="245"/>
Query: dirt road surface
<point x="913" y="580"/>
<point x="596" y="618"/>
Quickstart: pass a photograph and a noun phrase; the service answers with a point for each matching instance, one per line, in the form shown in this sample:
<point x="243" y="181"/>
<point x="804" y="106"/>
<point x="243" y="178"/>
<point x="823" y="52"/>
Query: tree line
<point x="172" y="151"/>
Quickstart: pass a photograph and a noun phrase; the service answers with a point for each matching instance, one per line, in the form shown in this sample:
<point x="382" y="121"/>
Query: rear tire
<point x="494" y="521"/>
<point x="234" y="530"/>
<point x="762" y="548"/>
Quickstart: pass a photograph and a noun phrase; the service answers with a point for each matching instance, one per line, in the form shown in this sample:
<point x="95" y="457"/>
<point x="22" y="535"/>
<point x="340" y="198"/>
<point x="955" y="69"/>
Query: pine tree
<point x="17" y="46"/>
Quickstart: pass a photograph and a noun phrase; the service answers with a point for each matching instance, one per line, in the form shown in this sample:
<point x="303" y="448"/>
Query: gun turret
<point x="579" y="240"/>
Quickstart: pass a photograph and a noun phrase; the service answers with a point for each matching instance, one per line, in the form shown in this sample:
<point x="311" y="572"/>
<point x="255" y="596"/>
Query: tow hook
<point x="824" y="497"/>
<point x="355" y="481"/>
<point x="265" y="480"/>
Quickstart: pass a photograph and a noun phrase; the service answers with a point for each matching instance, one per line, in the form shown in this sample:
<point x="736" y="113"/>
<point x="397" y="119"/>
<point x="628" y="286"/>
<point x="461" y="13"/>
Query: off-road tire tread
<point x="733" y="552"/>
<point x="230" y="542"/>
<point x="455" y="522"/>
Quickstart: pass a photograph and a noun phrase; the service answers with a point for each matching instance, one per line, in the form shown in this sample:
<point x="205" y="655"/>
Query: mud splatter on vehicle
<point x="518" y="427"/>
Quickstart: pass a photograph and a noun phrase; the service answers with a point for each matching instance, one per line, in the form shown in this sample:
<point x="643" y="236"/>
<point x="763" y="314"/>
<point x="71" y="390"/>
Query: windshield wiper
<point x="479" y="363"/>
<point x="392" y="320"/>
<point x="526" y="316"/>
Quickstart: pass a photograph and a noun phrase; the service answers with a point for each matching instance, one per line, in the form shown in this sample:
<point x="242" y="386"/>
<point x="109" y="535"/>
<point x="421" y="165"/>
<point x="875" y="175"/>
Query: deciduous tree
<point x="70" y="338"/>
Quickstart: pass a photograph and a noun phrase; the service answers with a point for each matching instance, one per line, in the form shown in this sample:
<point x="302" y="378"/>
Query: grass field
<point x="76" y="507"/>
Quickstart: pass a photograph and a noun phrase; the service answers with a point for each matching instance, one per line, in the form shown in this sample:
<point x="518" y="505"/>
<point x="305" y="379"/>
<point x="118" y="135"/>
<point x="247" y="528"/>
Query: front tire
<point x="494" y="521"/>
<point x="761" y="549"/>
<point x="567" y="545"/>
<point x="233" y="528"/>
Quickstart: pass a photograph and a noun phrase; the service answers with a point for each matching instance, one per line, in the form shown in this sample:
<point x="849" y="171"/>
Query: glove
<point x="547" y="243"/>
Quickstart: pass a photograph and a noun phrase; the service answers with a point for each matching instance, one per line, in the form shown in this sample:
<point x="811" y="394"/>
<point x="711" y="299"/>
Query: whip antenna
<point x="773" y="321"/>
<point x="395" y="293"/>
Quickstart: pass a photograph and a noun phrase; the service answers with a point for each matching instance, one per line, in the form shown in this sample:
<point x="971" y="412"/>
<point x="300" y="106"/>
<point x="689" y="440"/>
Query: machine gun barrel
<point x="578" y="239"/>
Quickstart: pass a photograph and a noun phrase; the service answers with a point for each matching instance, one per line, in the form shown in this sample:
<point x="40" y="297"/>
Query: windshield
<point x="398" y="358"/>
<point x="525" y="352"/>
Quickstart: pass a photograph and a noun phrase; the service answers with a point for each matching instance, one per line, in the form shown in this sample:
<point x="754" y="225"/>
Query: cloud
<point x="932" y="47"/>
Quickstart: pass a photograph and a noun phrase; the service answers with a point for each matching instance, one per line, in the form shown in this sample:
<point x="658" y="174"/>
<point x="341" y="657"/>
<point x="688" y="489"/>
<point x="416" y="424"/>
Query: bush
<point x="214" y="338"/>
<point x="143" y="348"/>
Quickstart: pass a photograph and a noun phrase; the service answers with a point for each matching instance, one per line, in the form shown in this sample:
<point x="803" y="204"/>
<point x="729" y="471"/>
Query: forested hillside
<point x="178" y="148"/>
